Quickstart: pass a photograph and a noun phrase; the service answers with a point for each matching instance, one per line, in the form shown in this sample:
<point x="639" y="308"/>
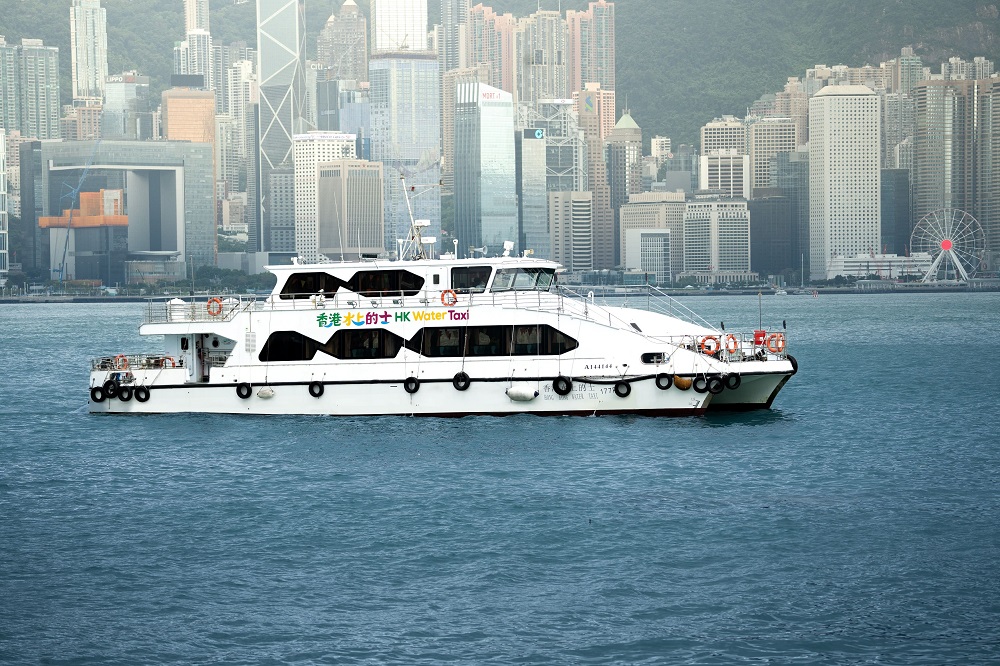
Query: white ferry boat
<point x="435" y="337"/>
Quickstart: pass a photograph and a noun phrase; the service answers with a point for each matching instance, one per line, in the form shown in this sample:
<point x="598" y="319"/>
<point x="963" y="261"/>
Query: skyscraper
<point x="725" y="172"/>
<point x="725" y="133"/>
<point x="957" y="123"/>
<point x="38" y="80"/>
<point x="490" y="39"/>
<point x="541" y="46"/>
<point x="196" y="15"/>
<point x="126" y="100"/>
<point x="88" y="32"/>
<point x="485" y="200"/>
<point x="311" y="151"/>
<point x="623" y="157"/>
<point x="398" y="25"/>
<point x="450" y="82"/>
<point x="350" y="209"/>
<point x="845" y="182"/>
<point x="342" y="45"/>
<point x="596" y="113"/>
<point x="281" y="55"/>
<point x="592" y="46"/>
<point x="766" y="137"/>
<point x="454" y="14"/>
<point x="405" y="130"/>
<point x="717" y="240"/>
<point x="572" y="222"/>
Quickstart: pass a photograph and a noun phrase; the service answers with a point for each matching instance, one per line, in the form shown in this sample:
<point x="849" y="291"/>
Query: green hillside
<point x="680" y="63"/>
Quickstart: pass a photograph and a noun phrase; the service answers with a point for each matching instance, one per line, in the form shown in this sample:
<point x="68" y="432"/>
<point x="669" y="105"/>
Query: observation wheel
<point x="954" y="240"/>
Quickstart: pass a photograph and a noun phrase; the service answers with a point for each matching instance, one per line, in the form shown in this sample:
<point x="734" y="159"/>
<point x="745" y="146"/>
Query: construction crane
<point x="74" y="196"/>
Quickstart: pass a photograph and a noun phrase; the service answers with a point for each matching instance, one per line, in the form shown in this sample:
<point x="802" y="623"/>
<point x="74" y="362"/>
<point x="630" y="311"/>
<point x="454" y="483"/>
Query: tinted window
<point x="438" y="342"/>
<point x="386" y="283"/>
<point x="304" y="285"/>
<point x="530" y="340"/>
<point x="285" y="346"/>
<point x="470" y="279"/>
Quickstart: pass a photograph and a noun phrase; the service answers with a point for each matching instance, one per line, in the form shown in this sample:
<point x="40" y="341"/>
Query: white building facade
<point x="398" y="25"/>
<point x="310" y="151"/>
<point x="88" y="34"/>
<point x="717" y="241"/>
<point x="844" y="176"/>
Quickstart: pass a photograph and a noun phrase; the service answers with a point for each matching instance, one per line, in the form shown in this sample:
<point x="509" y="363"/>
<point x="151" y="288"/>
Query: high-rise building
<point x="592" y="46"/>
<point x="623" y="160"/>
<point x="490" y="40"/>
<point x="649" y="252"/>
<point x="596" y="113"/>
<point x="725" y="172"/>
<point x="766" y="137"/>
<point x="726" y="133"/>
<point x="907" y="71"/>
<point x="845" y="177"/>
<point x="454" y="14"/>
<point x="530" y="150"/>
<point x="88" y="32"/>
<point x="572" y="224"/>
<point x="450" y="82"/>
<point x="81" y="123"/>
<point x="566" y="164"/>
<point x="342" y="45"/>
<point x="350" y="209"/>
<point x="188" y="115"/>
<point x="957" y="123"/>
<point x="126" y="107"/>
<point x="897" y="220"/>
<point x="398" y="25"/>
<point x="223" y="58"/>
<point x="312" y="150"/>
<point x="790" y="175"/>
<point x="29" y="81"/>
<point x="281" y="214"/>
<point x="485" y="199"/>
<point x="659" y="148"/>
<point x="196" y="15"/>
<point x="793" y="102"/>
<point x="281" y="39"/>
<point x="655" y="210"/>
<point x="4" y="258"/>
<point x="406" y="139"/>
<point x="541" y="47"/>
<point x="957" y="69"/>
<point x="898" y="116"/>
<point x="773" y="233"/>
<point x="717" y="240"/>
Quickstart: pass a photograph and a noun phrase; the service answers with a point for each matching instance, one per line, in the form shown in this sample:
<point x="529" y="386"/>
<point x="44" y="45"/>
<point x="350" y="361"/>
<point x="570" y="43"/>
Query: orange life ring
<point x="776" y="343"/>
<point x="214" y="306"/>
<point x="732" y="344"/>
<point x="121" y="362"/>
<point x="716" y="345"/>
<point x="449" y="297"/>
<point x="165" y="359"/>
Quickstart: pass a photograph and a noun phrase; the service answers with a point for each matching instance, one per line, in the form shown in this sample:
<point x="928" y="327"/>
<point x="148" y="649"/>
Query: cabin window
<point x="523" y="279"/>
<point x="305" y="285"/>
<point x="360" y="343"/>
<point x="653" y="358"/>
<point x="386" y="283"/>
<point x="470" y="279"/>
<point x="437" y="278"/>
<point x="527" y="340"/>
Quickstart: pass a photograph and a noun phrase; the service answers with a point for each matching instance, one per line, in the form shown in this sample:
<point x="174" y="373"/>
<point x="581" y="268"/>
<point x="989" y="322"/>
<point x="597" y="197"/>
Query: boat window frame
<point x="523" y="278"/>
<point x="469" y="279"/>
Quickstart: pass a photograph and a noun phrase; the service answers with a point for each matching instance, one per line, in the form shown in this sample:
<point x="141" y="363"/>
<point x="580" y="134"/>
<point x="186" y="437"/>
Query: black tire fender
<point x="562" y="385"/>
<point x="110" y="388"/>
<point x="664" y="381"/>
<point x="244" y="390"/>
<point x="715" y="385"/>
<point x="701" y="384"/>
<point x="316" y="389"/>
<point x="97" y="394"/>
<point x="125" y="393"/>
<point x="141" y="394"/>
<point x="461" y="381"/>
<point x="733" y="382"/>
<point x="411" y="385"/>
<point x="623" y="389"/>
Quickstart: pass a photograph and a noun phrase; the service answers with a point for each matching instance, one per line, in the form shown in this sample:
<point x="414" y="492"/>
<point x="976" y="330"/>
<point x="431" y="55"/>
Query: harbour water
<point x="855" y="523"/>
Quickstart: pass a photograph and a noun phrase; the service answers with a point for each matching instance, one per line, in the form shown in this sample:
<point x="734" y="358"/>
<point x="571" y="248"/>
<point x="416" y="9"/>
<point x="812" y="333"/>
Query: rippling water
<point x="855" y="523"/>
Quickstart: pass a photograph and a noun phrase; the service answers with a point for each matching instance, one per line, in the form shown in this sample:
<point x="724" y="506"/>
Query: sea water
<point x="856" y="522"/>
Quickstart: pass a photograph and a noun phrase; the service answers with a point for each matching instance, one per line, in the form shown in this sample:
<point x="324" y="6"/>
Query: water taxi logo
<point x="371" y="318"/>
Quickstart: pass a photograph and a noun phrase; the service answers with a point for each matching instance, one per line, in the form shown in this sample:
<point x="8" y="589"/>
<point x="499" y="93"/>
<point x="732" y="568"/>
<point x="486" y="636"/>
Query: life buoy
<point x="710" y="341"/>
<point x="316" y="389"/>
<point x="121" y="362"/>
<point x="732" y="344"/>
<point x="214" y="306"/>
<point x="411" y="385"/>
<point x="243" y="390"/>
<point x="623" y="389"/>
<point x="141" y="394"/>
<point x="664" y="381"/>
<point x="448" y="297"/>
<point x="776" y="343"/>
<point x="562" y="385"/>
<point x="168" y="359"/>
<point x="461" y="381"/>
<point x="715" y="385"/>
<point x="733" y="382"/>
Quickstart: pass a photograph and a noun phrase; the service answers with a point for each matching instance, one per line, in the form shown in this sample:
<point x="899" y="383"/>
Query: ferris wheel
<point x="954" y="240"/>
